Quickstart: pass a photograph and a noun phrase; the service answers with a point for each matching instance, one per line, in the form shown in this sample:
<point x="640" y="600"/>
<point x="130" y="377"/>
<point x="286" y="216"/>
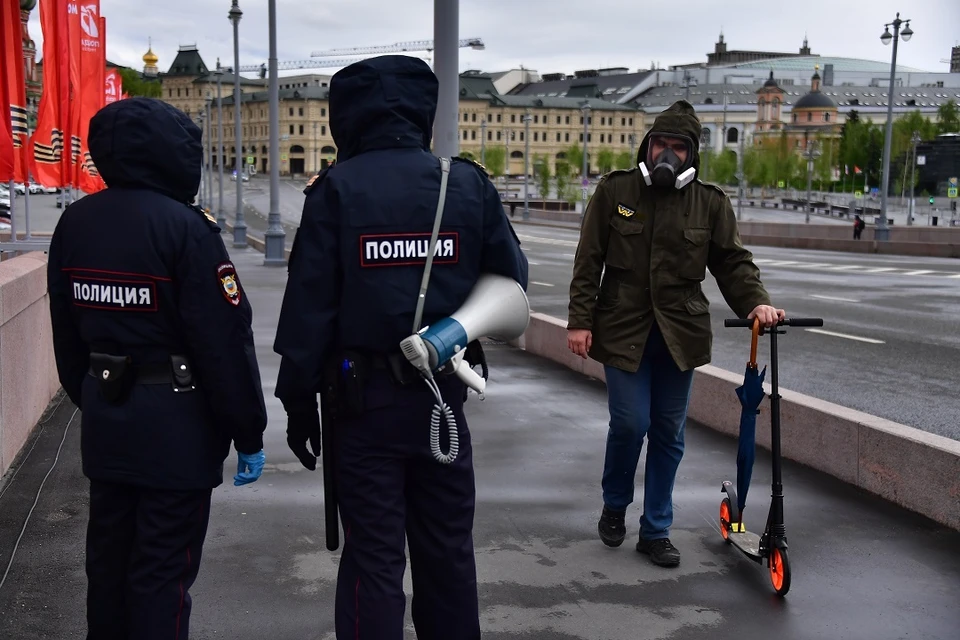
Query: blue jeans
<point x="651" y="402"/>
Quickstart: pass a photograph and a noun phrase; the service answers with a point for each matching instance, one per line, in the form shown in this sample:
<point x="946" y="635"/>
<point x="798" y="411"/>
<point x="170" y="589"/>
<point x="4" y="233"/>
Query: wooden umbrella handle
<point x="755" y="334"/>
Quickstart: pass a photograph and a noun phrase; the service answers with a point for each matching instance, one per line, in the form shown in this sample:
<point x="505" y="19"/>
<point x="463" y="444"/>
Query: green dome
<point x="27" y="5"/>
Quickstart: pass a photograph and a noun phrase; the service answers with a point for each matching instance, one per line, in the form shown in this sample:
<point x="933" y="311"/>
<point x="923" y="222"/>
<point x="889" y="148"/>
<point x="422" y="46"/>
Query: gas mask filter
<point x="667" y="170"/>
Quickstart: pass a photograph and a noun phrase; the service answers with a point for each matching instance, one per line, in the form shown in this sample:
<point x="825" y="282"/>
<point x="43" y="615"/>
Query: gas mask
<point x="667" y="170"/>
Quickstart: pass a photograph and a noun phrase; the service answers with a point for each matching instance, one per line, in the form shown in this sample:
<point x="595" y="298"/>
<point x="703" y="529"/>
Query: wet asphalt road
<point x="899" y="353"/>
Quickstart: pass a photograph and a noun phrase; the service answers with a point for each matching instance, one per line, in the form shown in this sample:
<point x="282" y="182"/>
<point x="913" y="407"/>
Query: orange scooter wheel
<point x="779" y="566"/>
<point x="725" y="519"/>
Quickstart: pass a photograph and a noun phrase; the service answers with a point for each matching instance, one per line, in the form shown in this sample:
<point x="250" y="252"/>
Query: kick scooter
<point x="772" y="544"/>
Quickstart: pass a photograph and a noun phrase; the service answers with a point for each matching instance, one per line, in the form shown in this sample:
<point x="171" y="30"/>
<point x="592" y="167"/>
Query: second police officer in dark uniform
<point x="153" y="342"/>
<point x="354" y="278"/>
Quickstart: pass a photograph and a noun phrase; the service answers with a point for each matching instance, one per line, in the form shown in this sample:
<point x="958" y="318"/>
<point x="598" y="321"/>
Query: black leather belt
<point x="176" y="371"/>
<point x="399" y="368"/>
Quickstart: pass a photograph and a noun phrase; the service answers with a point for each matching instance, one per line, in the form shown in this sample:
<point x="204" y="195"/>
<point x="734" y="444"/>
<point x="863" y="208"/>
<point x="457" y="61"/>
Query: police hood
<point x="382" y="103"/>
<point x="144" y="143"/>
<point x="680" y="118"/>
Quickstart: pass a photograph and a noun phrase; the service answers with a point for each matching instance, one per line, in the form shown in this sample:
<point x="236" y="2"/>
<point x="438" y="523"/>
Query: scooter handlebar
<point x="789" y="322"/>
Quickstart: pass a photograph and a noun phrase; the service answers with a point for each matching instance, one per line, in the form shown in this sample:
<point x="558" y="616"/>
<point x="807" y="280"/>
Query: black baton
<point x="328" y="453"/>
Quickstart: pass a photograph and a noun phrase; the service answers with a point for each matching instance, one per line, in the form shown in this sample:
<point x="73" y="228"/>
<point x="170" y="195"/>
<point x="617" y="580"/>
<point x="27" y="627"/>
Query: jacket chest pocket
<point x="693" y="256"/>
<point x="623" y="246"/>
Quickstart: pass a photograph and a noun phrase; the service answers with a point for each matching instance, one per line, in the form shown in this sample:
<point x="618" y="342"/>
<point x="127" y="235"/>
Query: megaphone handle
<point x="470" y="377"/>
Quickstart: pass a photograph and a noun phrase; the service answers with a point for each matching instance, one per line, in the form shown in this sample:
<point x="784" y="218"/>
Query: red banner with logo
<point x="113" y="91"/>
<point x="49" y="163"/>
<point x="13" y="104"/>
<point x="89" y="94"/>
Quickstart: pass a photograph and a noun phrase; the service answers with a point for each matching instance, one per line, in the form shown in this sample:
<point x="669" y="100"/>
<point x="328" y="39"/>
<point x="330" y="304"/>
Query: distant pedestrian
<point x="858" y="225"/>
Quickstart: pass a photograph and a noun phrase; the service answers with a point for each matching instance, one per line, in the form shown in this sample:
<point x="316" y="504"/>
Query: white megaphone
<point x="497" y="306"/>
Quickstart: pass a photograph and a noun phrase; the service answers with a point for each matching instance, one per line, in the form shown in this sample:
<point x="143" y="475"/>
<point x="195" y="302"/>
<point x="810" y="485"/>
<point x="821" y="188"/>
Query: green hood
<point x="680" y="118"/>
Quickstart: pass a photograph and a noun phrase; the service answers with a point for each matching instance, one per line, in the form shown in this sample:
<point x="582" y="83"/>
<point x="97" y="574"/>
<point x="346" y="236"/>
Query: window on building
<point x="623" y="122"/>
<point x="300" y="112"/>
<point x="536" y="119"/>
<point x="581" y="119"/>
<point x="566" y="137"/>
<point x="733" y="136"/>
<point x="521" y="136"/>
<point x="581" y="137"/>
<point x="473" y="135"/>
<point x="474" y="117"/>
<point x="291" y="129"/>
<point x="826" y="117"/>
<point x="490" y="135"/>
<point x="558" y="119"/>
<point x="291" y="111"/>
<point x="601" y="137"/>
<point x="178" y="93"/>
<point x="169" y="93"/>
<point x="323" y="112"/>
<point x="464" y="134"/>
<point x="623" y="138"/>
<point x="568" y="120"/>
<point x="498" y="133"/>
<point x="499" y="119"/>
<point x="513" y="117"/>
<point x="631" y="122"/>
<point x="809" y="117"/>
<point x="466" y="117"/>
<point x="301" y="129"/>
<point x="558" y="136"/>
<point x="323" y="129"/>
<point x="589" y="137"/>
<point x="188" y="93"/>
<point x="603" y="121"/>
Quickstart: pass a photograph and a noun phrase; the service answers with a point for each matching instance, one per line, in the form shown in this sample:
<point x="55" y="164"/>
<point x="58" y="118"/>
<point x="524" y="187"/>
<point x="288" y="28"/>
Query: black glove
<point x="302" y="426"/>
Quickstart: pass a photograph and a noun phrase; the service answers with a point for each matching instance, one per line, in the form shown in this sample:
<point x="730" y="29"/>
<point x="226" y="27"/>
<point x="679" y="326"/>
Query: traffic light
<point x="931" y="199"/>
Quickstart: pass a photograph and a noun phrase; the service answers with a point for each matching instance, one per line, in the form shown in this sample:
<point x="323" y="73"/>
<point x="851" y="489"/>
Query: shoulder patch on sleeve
<point x="474" y="163"/>
<point x="312" y="182"/>
<point x="229" y="282"/>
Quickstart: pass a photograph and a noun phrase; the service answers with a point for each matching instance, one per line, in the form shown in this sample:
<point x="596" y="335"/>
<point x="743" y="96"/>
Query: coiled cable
<point x="441" y="409"/>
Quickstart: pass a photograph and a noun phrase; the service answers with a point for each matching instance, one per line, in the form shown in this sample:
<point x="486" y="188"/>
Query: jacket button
<point x="633" y="347"/>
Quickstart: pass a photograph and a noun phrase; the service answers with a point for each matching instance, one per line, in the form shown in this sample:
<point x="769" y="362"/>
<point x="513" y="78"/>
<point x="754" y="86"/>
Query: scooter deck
<point x="748" y="542"/>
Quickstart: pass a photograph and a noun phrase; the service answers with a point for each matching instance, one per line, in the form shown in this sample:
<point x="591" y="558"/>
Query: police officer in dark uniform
<point x="153" y="342"/>
<point x="354" y="278"/>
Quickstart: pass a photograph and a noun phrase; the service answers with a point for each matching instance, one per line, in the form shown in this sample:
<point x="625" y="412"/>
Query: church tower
<point x="150" y="60"/>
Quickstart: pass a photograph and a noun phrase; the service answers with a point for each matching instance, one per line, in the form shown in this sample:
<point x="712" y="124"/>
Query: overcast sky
<point x="549" y="36"/>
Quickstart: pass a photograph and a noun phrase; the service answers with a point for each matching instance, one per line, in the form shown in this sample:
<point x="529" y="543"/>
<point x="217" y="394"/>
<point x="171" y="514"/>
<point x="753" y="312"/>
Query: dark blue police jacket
<point x="134" y="270"/>
<point x="358" y="257"/>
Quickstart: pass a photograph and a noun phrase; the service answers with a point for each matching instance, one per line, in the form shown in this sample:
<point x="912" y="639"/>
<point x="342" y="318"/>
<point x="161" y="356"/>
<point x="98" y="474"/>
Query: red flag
<point x="13" y="105"/>
<point x="89" y="91"/>
<point x="114" y="87"/>
<point x="49" y="164"/>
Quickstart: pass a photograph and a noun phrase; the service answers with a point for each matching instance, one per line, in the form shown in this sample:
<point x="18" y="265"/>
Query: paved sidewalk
<point x="863" y="569"/>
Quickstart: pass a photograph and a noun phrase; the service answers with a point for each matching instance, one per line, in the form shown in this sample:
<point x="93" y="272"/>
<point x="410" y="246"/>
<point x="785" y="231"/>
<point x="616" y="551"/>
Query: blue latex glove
<point x="249" y="467"/>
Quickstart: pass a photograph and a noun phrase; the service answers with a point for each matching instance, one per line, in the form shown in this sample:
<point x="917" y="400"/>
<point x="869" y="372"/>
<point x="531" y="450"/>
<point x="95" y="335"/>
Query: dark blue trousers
<point x="143" y="555"/>
<point x="390" y="488"/>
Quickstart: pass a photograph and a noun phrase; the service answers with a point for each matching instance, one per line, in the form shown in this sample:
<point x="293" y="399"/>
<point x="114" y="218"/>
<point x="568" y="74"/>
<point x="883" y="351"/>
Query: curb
<point x="909" y="467"/>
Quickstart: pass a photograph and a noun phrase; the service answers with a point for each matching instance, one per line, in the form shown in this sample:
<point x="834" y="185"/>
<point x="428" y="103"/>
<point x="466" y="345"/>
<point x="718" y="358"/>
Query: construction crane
<point x="290" y="65"/>
<point x="414" y="45"/>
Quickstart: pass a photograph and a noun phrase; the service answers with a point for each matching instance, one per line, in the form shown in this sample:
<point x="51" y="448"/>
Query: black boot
<point x="611" y="527"/>
<point x="661" y="551"/>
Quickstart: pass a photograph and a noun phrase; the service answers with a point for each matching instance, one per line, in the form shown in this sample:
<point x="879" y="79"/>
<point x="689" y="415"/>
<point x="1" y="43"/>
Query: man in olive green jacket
<point x="636" y="306"/>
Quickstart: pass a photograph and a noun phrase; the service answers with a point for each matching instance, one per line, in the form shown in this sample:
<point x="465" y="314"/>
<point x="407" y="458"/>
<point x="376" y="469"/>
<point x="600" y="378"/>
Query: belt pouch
<point x="114" y="375"/>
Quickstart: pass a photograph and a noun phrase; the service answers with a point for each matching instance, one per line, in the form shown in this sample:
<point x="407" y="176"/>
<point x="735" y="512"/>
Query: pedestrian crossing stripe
<point x="855" y="268"/>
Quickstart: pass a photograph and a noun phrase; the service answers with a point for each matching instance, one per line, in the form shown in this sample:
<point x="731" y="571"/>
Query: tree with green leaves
<point x="133" y="85"/>
<point x="948" y="118"/>
<point x="562" y="170"/>
<point x="605" y="160"/>
<point x="624" y="160"/>
<point x="574" y="158"/>
<point x="541" y="172"/>
<point x="723" y="167"/>
<point x="495" y="160"/>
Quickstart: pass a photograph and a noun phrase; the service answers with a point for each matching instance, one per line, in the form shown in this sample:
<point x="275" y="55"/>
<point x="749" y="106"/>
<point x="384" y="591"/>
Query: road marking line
<point x="921" y="272"/>
<point x="536" y="264"/>
<point x="844" y="335"/>
<point x="782" y="263"/>
<point x="539" y="240"/>
<point x="956" y="275"/>
<point x="570" y="255"/>
<point x="881" y="269"/>
<point x="542" y="284"/>
<point x="847" y="267"/>
<point x="813" y="295"/>
<point x="813" y="265"/>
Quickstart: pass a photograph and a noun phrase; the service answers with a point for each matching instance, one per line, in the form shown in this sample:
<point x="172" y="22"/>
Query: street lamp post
<point x="221" y="215"/>
<point x="483" y="140"/>
<point x="315" y="166"/>
<point x="741" y="182"/>
<point x="705" y="147"/>
<point x="526" y="165"/>
<point x="275" y="238"/>
<point x="585" y="109"/>
<point x="209" y="155"/>
<point x="882" y="232"/>
<point x="240" y="227"/>
<point x="915" y="139"/>
<point x="812" y="153"/>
